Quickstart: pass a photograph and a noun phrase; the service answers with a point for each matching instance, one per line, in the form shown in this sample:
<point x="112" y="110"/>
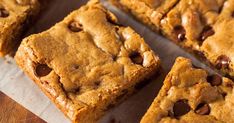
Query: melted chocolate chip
<point x="206" y="32"/>
<point x="222" y="62"/>
<point x="114" y="57"/>
<point x="180" y="33"/>
<point x="42" y="70"/>
<point x="233" y="14"/>
<point x="180" y="108"/>
<point x="203" y="109"/>
<point x="3" y="13"/>
<point x="75" y="26"/>
<point x="214" y="80"/>
<point x="136" y="58"/>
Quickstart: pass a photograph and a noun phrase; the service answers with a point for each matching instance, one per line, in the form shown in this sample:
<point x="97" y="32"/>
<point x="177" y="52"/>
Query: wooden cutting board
<point x="12" y="112"/>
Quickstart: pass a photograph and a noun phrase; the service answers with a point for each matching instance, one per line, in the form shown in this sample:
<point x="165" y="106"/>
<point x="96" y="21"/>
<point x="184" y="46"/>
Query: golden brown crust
<point x="87" y="62"/>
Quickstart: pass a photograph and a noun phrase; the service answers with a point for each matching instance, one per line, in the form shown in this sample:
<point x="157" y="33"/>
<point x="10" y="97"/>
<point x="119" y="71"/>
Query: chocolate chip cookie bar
<point x="200" y="26"/>
<point x="87" y="63"/>
<point x="15" y="15"/>
<point x="218" y="48"/>
<point x="150" y="12"/>
<point x="191" y="95"/>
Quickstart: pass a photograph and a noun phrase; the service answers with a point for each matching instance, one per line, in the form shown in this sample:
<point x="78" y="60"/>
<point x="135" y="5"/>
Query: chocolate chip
<point x="42" y="70"/>
<point x="215" y="80"/>
<point x="206" y="32"/>
<point x="114" y="57"/>
<point x="97" y="84"/>
<point x="180" y="33"/>
<point x="224" y="94"/>
<point x="3" y="12"/>
<point x="203" y="109"/>
<point x="222" y="62"/>
<point x="180" y="108"/>
<point x="233" y="14"/>
<point x="136" y="58"/>
<point x="75" y="26"/>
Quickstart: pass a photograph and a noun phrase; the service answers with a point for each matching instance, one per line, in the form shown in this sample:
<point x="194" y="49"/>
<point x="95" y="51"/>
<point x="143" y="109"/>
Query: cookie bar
<point x="219" y="47"/>
<point x="150" y="12"/>
<point x="14" y="17"/>
<point x="191" y="95"/>
<point x="202" y="27"/>
<point x="87" y="63"/>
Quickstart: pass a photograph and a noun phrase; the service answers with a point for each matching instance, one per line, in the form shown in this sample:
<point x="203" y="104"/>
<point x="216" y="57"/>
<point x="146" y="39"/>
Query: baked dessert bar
<point x="150" y="12"/>
<point x="219" y="47"/>
<point x="191" y="95"/>
<point x="200" y="26"/>
<point x="14" y="16"/>
<point x="87" y="63"/>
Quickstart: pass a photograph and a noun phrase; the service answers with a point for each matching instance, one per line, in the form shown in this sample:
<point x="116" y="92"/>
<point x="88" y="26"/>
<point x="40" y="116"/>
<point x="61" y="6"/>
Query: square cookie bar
<point x="191" y="95"/>
<point x="202" y="27"/>
<point x="87" y="63"/>
<point x="14" y="17"/>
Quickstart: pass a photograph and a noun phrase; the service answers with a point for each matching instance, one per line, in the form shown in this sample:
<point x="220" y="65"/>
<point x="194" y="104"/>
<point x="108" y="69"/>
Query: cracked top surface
<point x="204" y="26"/>
<point x="87" y="59"/>
<point x="200" y="26"/>
<point x="188" y="21"/>
<point x="13" y="14"/>
<point x="222" y="42"/>
<point x="191" y="95"/>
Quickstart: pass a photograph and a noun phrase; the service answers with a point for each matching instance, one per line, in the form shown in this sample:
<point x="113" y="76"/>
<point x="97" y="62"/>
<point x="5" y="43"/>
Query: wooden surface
<point x="12" y="112"/>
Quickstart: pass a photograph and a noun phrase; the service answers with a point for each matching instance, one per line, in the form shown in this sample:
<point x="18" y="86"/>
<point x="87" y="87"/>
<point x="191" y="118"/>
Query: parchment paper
<point x="15" y="84"/>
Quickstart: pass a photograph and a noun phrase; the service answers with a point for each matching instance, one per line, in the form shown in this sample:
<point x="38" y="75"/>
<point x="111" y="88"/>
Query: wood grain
<point x="12" y="112"/>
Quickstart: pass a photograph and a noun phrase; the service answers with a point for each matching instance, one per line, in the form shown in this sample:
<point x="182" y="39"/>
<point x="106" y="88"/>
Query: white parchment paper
<point x="15" y="84"/>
